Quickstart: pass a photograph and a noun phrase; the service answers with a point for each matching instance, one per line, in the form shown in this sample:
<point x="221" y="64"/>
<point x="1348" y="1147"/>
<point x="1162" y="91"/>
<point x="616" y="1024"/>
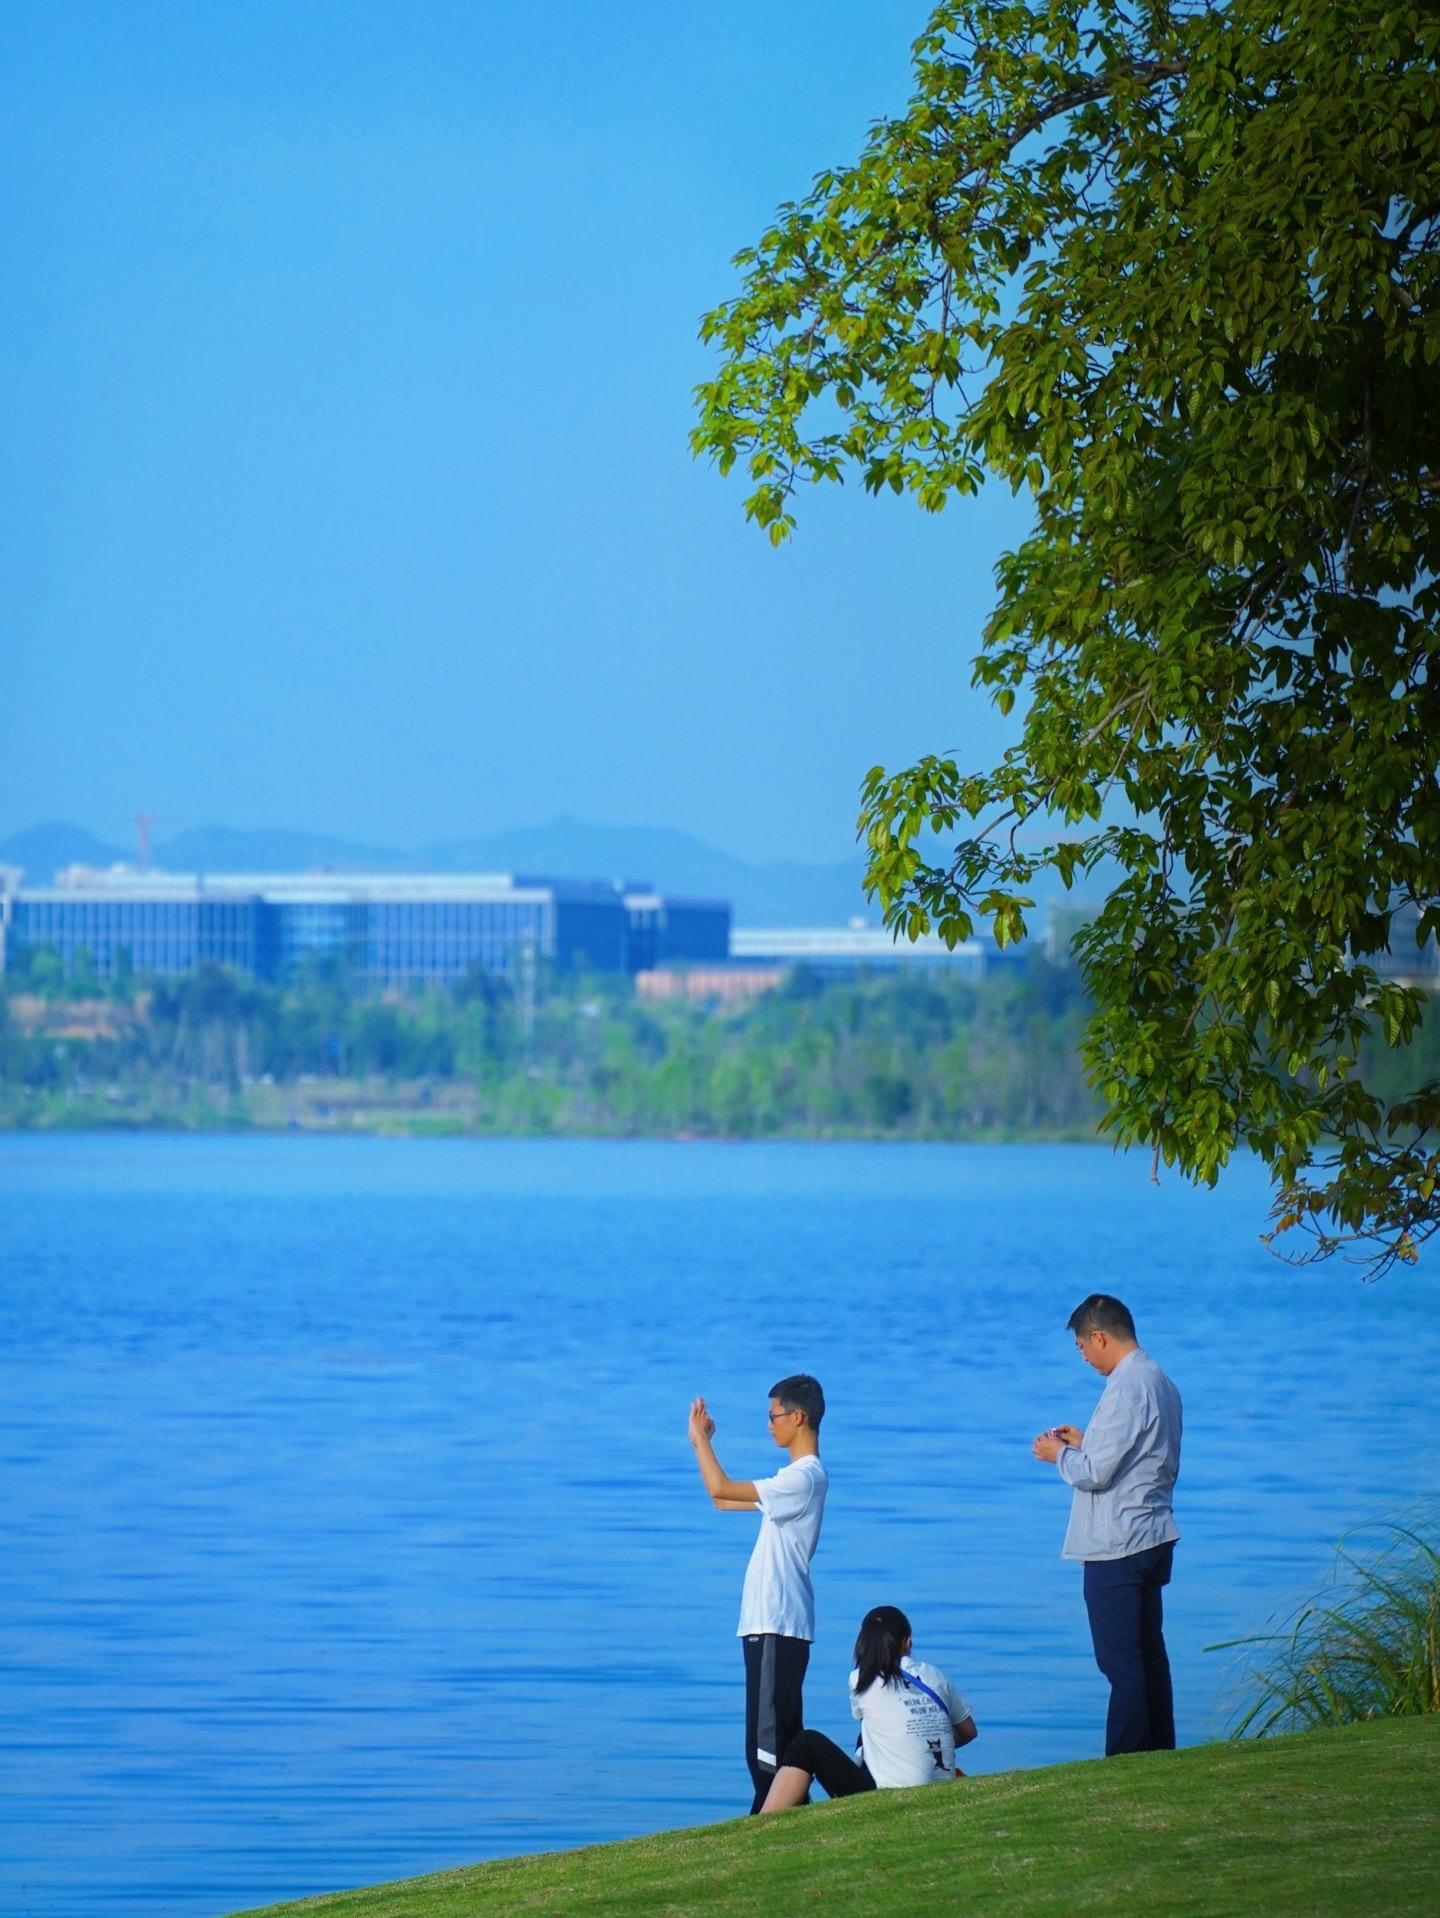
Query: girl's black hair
<point x="883" y="1632"/>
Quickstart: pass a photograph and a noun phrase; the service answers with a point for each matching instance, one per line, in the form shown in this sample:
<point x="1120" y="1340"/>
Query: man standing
<point x="1123" y="1469"/>
<point x="777" y="1609"/>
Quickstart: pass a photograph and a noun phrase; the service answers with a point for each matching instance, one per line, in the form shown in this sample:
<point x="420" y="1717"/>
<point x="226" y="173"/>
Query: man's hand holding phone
<point x="1049" y="1445"/>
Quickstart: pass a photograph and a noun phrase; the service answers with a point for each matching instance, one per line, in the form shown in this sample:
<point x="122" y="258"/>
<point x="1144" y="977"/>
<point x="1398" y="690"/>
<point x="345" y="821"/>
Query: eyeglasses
<point x="772" y="1416"/>
<point x="1084" y="1339"/>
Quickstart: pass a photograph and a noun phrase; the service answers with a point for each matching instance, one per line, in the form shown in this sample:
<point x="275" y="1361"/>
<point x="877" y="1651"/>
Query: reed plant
<point x="1367" y="1647"/>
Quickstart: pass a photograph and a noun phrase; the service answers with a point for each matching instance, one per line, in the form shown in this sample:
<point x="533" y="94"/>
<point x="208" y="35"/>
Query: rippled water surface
<point x="350" y="1528"/>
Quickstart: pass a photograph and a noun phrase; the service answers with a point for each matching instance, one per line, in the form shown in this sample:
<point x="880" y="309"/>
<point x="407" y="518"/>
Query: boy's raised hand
<point x="729" y="1494"/>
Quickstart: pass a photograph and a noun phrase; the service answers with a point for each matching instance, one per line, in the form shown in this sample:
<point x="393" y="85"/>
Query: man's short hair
<point x="801" y="1393"/>
<point x="1101" y="1313"/>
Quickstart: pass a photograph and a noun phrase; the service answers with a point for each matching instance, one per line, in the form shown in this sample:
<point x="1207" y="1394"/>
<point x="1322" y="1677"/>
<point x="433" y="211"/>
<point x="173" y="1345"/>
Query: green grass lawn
<point x="1326" y="1822"/>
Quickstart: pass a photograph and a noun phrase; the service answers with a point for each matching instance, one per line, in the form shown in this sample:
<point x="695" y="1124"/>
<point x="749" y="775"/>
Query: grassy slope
<point x="1343" y="1821"/>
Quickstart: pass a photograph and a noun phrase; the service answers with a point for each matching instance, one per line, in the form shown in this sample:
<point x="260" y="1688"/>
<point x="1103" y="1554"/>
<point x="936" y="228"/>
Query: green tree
<point x="1174" y="269"/>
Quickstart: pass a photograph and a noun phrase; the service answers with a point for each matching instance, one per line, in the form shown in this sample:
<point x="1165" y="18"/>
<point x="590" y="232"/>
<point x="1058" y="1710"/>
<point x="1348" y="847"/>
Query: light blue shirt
<point x="1124" y="1473"/>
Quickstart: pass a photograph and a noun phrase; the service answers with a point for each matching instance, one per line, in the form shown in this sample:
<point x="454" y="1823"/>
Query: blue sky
<point x="350" y="354"/>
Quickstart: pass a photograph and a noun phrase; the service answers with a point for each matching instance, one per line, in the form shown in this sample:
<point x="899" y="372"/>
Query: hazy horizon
<point x="761" y="892"/>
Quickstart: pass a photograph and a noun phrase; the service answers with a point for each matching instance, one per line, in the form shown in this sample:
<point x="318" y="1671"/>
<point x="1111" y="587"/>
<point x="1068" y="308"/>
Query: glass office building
<point x="158" y="933"/>
<point x="1406" y="959"/>
<point x="380" y="930"/>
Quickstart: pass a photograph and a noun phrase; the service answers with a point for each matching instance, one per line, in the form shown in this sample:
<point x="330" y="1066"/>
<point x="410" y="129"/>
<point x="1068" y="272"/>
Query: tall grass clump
<point x="1367" y="1647"/>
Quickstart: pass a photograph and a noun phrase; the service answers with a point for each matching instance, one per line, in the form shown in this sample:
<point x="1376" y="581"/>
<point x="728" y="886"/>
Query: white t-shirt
<point x="907" y="1738"/>
<point x="778" y="1596"/>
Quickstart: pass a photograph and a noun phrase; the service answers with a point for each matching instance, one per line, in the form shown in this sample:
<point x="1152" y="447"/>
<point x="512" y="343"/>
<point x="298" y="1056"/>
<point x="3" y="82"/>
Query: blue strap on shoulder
<point x="921" y="1686"/>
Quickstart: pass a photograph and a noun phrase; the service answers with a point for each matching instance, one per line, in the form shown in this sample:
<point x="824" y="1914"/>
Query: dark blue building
<point x="667" y="932"/>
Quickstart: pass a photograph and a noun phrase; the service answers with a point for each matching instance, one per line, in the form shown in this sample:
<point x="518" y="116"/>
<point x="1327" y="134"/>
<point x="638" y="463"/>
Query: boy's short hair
<point x="801" y="1393"/>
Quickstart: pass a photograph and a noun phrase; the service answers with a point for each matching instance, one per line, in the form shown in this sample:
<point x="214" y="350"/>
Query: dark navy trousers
<point x="1122" y="1596"/>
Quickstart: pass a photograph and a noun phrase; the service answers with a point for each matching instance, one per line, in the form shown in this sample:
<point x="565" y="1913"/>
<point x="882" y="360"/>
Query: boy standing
<point x="777" y="1609"/>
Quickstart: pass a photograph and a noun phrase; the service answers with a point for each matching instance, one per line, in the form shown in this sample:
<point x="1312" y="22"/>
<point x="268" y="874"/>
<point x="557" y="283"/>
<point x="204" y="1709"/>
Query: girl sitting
<point x="911" y="1720"/>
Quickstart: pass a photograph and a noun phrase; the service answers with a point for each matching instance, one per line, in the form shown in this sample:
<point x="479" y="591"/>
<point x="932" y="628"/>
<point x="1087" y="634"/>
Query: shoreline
<point x="383" y="1124"/>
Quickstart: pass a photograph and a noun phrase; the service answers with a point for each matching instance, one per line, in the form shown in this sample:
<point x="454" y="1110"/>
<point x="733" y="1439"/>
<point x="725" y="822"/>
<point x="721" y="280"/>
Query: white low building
<point x="863" y="948"/>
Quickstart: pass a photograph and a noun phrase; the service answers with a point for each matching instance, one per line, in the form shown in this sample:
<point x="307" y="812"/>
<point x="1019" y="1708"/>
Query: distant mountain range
<point x="773" y="893"/>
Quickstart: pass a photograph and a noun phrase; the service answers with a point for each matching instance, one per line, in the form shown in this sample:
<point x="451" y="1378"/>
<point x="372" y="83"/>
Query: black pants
<point x="833" y="1770"/>
<point x="774" y="1711"/>
<point x="1122" y="1596"/>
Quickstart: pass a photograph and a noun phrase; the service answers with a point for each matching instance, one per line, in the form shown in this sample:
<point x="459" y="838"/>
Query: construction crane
<point x="144" y="821"/>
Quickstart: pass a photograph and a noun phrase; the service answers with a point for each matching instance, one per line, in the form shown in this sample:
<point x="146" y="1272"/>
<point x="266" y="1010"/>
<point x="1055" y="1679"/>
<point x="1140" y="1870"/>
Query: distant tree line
<point x="914" y="1054"/>
<point x="917" y="1053"/>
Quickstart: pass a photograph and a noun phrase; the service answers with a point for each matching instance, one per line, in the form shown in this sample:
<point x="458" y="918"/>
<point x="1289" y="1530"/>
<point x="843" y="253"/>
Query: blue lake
<point x="351" y="1531"/>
